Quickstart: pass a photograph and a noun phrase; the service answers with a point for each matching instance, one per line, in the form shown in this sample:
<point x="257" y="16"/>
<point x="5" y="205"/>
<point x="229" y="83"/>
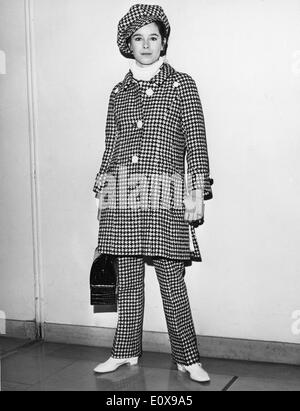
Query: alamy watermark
<point x="296" y="63"/>
<point x="163" y="190"/>
<point x="2" y="62"/>
<point x="296" y="322"/>
<point x="2" y="323"/>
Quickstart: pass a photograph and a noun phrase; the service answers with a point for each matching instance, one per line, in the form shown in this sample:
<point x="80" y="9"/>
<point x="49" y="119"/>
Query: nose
<point x="146" y="45"/>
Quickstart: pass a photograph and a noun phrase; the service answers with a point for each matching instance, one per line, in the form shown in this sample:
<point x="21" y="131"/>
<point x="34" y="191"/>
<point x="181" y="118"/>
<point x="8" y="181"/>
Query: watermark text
<point x="296" y="322"/>
<point x="2" y="62"/>
<point x="2" y="323"/>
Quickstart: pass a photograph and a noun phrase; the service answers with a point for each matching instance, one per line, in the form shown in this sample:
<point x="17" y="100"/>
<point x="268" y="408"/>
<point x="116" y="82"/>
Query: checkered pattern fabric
<point x="138" y="16"/>
<point x="160" y="123"/>
<point x="128" y="336"/>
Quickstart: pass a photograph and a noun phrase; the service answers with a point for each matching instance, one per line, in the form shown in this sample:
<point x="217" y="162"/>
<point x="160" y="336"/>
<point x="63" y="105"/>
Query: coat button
<point x="149" y="92"/>
<point x="176" y="84"/>
<point x="135" y="159"/>
<point x="116" y="90"/>
<point x="139" y="124"/>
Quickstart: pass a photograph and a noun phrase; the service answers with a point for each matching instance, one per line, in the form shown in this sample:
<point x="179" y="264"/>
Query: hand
<point x="194" y="206"/>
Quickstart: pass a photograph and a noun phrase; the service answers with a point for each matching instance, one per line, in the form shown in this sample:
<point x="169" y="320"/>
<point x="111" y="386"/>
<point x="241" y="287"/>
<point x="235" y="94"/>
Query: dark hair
<point x="164" y="35"/>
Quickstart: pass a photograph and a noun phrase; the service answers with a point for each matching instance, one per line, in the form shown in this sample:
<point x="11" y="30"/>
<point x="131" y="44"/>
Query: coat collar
<point x="165" y="71"/>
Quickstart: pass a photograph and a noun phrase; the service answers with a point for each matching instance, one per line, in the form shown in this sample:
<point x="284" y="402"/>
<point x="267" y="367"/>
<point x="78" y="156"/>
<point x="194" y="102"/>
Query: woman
<point x="154" y="122"/>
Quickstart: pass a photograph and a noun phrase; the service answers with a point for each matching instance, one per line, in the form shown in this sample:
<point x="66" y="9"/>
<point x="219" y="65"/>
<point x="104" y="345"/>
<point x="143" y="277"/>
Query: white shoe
<point x="197" y="373"/>
<point x="113" y="363"/>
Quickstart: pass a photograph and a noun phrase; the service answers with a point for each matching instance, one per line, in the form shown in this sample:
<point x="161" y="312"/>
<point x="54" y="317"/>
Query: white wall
<point x="16" y="246"/>
<point x="243" y="56"/>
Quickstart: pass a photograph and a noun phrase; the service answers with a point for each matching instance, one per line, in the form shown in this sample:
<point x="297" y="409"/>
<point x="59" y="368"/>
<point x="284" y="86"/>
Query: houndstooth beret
<point x="138" y="16"/>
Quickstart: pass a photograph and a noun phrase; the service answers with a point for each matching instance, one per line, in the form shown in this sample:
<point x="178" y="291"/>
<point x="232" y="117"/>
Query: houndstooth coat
<point x="152" y="128"/>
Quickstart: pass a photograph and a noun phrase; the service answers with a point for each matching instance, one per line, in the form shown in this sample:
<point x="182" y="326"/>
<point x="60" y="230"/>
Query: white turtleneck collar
<point x="147" y="72"/>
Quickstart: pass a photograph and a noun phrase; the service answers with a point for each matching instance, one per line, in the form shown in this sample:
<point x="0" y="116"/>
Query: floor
<point x="40" y="366"/>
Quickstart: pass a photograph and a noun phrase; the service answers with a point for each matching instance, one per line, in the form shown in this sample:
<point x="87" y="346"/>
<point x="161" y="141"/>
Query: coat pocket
<point x="172" y="108"/>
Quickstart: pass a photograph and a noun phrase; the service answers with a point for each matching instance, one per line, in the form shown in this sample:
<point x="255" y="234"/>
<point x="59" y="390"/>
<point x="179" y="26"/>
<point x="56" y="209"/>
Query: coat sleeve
<point x="193" y="125"/>
<point x="110" y="134"/>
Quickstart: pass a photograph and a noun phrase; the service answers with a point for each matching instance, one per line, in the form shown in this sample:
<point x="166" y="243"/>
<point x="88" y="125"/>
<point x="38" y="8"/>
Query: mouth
<point x="146" y="54"/>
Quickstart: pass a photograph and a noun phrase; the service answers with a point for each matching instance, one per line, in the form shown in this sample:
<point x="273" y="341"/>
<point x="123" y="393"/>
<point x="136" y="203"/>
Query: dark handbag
<point x="103" y="282"/>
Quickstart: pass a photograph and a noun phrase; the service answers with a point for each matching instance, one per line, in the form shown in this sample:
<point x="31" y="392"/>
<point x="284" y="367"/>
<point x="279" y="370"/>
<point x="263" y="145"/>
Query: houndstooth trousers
<point x="128" y="336"/>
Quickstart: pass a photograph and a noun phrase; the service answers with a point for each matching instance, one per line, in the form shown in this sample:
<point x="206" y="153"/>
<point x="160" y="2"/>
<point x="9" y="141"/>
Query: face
<point x="146" y="44"/>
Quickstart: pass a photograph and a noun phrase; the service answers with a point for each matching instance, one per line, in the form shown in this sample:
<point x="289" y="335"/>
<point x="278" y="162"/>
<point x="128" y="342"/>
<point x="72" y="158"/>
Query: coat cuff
<point x="100" y="183"/>
<point x="198" y="181"/>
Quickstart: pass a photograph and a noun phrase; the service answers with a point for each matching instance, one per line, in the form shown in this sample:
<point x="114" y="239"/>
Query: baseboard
<point x="213" y="347"/>
<point x="20" y="329"/>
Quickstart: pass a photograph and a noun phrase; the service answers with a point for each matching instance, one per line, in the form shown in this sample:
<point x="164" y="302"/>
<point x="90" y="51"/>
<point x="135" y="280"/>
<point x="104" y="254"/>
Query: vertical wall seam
<point x="34" y="176"/>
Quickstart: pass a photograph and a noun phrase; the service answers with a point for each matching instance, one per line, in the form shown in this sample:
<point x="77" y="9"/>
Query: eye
<point x="153" y="38"/>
